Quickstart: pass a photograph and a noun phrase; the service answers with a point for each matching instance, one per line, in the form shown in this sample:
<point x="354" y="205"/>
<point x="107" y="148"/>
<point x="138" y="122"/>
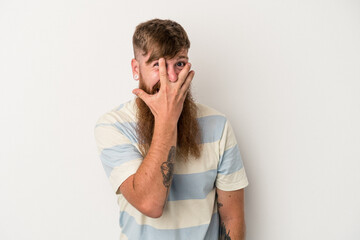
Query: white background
<point x="286" y="74"/>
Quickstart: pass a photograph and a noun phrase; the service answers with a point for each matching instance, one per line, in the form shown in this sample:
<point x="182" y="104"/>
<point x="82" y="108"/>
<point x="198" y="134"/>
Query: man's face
<point x="149" y="72"/>
<point x="188" y="130"/>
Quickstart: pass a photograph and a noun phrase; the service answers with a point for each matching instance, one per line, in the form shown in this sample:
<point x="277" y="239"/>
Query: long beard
<point x="188" y="130"/>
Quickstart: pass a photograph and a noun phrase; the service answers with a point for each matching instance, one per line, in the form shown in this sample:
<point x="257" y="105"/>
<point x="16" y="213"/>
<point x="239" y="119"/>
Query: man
<point x="173" y="163"/>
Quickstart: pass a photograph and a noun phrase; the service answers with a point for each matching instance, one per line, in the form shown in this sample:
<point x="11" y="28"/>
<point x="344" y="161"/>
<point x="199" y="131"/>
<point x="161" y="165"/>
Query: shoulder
<point x="211" y="121"/>
<point x="125" y="112"/>
<point x="204" y="111"/>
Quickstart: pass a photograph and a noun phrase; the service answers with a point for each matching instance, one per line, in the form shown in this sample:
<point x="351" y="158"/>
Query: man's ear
<point x="135" y="68"/>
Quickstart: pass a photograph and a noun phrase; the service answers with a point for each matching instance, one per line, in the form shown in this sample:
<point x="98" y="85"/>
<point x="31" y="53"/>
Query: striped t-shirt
<point x="191" y="209"/>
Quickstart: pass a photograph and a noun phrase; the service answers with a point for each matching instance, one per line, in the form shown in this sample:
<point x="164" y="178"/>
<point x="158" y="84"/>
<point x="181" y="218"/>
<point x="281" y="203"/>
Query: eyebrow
<point x="180" y="57"/>
<point x="183" y="57"/>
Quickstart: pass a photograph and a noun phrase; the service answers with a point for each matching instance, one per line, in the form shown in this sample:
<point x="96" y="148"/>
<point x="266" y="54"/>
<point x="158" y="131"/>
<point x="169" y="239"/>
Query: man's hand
<point x="167" y="104"/>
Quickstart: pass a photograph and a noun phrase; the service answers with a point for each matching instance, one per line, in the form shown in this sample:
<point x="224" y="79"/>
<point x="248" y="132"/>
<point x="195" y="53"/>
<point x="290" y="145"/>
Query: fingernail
<point x="189" y="64"/>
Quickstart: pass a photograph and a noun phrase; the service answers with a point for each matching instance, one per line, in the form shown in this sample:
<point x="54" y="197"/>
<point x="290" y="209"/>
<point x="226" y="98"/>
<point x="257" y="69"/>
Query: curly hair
<point x="164" y="38"/>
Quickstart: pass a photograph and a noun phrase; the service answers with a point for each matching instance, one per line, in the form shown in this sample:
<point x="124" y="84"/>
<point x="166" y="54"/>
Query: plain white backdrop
<point x="286" y="74"/>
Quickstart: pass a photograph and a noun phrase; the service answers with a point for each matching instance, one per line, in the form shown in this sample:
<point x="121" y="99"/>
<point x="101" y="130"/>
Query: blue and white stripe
<point x="190" y="212"/>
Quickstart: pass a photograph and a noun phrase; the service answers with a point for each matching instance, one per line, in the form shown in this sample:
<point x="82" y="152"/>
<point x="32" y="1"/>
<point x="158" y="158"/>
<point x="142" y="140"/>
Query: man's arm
<point x="231" y="211"/>
<point x="148" y="188"/>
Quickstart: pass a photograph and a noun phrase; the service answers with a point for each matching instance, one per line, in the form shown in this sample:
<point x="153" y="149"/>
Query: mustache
<point x="156" y="88"/>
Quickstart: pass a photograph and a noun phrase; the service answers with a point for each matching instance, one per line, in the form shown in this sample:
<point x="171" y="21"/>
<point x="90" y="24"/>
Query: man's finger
<point x="141" y="94"/>
<point x="183" y="74"/>
<point x="185" y="87"/>
<point x="162" y="72"/>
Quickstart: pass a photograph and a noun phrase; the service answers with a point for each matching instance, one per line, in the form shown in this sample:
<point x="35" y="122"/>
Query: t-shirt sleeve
<point x="118" y="154"/>
<point x="231" y="173"/>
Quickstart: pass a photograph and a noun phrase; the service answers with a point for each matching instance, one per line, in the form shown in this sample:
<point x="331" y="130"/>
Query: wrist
<point x="165" y="124"/>
<point x="166" y="133"/>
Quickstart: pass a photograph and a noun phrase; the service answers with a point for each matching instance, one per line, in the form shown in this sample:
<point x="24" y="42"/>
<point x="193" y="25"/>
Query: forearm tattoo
<point x="167" y="168"/>
<point x="223" y="235"/>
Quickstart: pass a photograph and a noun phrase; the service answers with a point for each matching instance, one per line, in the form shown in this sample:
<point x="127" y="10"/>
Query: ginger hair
<point x="163" y="38"/>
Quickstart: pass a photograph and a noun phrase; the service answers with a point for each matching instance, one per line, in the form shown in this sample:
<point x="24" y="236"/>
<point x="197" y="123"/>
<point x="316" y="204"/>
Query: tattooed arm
<point x="231" y="211"/>
<point x="148" y="188"/>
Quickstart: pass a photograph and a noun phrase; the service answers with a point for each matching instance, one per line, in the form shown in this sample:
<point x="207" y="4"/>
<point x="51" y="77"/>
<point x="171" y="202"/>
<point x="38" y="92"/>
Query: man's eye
<point x="180" y="64"/>
<point x="156" y="64"/>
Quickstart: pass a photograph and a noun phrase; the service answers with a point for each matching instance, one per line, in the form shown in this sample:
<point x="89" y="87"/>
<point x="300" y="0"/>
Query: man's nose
<point x="172" y="74"/>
